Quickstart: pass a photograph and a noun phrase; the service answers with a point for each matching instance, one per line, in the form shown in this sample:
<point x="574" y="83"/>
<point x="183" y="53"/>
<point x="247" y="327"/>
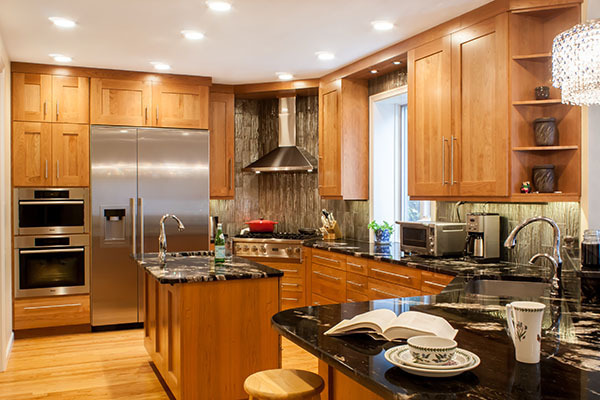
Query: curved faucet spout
<point x="162" y="237"/>
<point x="511" y="240"/>
<point x="555" y="267"/>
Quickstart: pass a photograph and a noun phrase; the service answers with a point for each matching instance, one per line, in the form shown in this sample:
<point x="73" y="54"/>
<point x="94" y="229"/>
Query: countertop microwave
<point x="432" y="238"/>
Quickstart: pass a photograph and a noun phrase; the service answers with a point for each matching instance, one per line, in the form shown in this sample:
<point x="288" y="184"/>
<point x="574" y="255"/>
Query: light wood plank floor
<point x="101" y="365"/>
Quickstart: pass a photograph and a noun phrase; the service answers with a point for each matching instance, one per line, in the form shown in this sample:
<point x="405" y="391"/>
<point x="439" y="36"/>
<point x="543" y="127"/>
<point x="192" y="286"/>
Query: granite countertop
<point x="187" y="267"/>
<point x="569" y="369"/>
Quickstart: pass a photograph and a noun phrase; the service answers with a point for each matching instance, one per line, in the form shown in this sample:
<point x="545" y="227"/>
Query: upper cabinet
<point x="120" y="102"/>
<point x="221" y="120"/>
<point x="344" y="140"/>
<point x="180" y="105"/>
<point x="70" y="155"/>
<point x="46" y="98"/>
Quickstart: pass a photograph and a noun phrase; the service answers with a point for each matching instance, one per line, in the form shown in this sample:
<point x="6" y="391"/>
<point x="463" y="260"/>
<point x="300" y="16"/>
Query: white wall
<point x="6" y="336"/>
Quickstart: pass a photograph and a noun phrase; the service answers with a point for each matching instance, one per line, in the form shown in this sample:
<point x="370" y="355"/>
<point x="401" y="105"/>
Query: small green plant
<point x="384" y="227"/>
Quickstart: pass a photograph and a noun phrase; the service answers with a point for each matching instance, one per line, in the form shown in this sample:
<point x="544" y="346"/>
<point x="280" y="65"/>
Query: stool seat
<point x="280" y="384"/>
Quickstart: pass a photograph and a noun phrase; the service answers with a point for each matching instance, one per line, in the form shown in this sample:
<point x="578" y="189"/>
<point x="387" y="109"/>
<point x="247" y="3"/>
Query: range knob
<point x="238" y="248"/>
<point x="246" y="247"/>
<point x="263" y="248"/>
<point x="254" y="248"/>
<point x="289" y="250"/>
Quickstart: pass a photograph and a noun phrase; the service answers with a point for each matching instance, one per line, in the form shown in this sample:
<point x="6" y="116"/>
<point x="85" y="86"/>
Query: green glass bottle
<point x="219" y="244"/>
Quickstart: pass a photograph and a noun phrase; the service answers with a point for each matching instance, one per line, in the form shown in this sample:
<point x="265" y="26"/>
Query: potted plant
<point x="382" y="232"/>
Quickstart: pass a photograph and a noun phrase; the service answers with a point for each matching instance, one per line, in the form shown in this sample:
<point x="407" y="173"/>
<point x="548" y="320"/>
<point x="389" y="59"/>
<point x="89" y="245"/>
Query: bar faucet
<point x="555" y="258"/>
<point x="162" y="237"/>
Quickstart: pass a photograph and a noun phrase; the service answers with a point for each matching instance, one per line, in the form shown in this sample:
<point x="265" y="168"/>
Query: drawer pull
<point x="316" y="303"/>
<point x="326" y="276"/>
<point x="390" y="273"/>
<point x="354" y="265"/>
<point x="383" y="292"/>
<point x="351" y="300"/>
<point x="289" y="299"/>
<point x="53" y="306"/>
<point x="434" y="284"/>
<point x="326" y="259"/>
<point x="355" y="284"/>
<point x="289" y="270"/>
<point x="290" y="284"/>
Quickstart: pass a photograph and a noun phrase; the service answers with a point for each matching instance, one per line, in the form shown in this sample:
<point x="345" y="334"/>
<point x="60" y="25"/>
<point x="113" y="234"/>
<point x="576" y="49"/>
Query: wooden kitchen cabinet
<point x="434" y="283"/>
<point x="70" y="155"/>
<point x="45" y="312"/>
<point x="31" y="97"/>
<point x="429" y="118"/>
<point x="180" y="105"/>
<point x="32" y="154"/>
<point x="344" y="140"/>
<point x="120" y="102"/>
<point x="379" y="289"/>
<point x="329" y="282"/>
<point x="70" y="99"/>
<point x="222" y="147"/>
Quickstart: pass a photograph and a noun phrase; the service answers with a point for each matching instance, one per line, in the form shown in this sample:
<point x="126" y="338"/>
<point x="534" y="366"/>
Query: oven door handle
<point x="48" y="202"/>
<point x="68" y="250"/>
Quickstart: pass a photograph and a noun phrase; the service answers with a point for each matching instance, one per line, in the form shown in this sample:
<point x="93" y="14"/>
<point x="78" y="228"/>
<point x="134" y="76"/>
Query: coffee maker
<point x="483" y="236"/>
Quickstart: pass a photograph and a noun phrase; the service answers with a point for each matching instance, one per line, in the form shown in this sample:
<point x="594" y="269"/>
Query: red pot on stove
<point x="261" y="225"/>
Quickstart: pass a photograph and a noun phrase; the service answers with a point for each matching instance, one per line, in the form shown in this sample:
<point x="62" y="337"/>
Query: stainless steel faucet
<point x="555" y="258"/>
<point x="162" y="237"/>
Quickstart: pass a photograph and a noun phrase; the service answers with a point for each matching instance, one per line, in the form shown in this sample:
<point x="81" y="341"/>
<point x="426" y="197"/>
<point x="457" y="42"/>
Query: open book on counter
<point x="385" y="324"/>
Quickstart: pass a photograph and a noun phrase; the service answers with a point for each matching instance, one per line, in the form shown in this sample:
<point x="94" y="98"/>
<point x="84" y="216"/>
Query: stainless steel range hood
<point x="287" y="157"/>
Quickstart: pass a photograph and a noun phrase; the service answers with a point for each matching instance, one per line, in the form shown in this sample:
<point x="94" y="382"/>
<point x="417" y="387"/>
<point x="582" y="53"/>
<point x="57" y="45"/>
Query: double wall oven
<point x="52" y="245"/>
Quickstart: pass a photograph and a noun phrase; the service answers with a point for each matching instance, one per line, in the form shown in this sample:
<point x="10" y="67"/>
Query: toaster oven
<point x="433" y="238"/>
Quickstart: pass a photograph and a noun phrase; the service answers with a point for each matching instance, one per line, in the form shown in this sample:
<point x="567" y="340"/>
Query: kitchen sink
<point x="489" y="287"/>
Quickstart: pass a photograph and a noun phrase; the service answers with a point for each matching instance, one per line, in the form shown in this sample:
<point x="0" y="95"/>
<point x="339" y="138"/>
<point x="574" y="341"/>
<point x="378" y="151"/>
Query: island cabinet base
<point x="340" y="387"/>
<point x="205" y="338"/>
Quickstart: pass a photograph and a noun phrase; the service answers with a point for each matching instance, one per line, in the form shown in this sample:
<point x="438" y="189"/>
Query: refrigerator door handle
<point x="132" y="210"/>
<point x="141" y="210"/>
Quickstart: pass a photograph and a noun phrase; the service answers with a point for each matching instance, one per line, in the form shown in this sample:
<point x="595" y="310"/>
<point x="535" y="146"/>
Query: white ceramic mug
<point x="525" y="327"/>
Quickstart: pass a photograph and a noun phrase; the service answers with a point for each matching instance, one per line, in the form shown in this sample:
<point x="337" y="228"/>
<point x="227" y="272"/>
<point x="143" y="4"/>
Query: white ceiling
<point x="252" y="42"/>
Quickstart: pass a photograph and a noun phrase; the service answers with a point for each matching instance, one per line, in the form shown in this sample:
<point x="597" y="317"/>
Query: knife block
<point x="333" y="233"/>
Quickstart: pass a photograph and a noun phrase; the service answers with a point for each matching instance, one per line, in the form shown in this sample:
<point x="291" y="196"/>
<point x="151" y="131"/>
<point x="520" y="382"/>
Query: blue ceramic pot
<point x="382" y="236"/>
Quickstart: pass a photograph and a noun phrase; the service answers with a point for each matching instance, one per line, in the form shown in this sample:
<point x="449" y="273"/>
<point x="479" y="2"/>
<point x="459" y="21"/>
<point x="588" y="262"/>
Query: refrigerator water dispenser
<point x="114" y="224"/>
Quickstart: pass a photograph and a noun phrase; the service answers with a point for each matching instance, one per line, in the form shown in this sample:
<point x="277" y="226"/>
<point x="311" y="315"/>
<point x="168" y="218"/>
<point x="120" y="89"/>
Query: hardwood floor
<point x="100" y="365"/>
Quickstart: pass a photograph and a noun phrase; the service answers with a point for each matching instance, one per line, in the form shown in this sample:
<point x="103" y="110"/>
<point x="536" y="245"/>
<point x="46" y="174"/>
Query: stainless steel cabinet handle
<point x="384" y="292"/>
<point x="45" y="108"/>
<point x="316" y="303"/>
<point x="289" y="299"/>
<point x="327" y="259"/>
<point x="452" y="140"/>
<point x="46" y="169"/>
<point x="290" y="284"/>
<point x="390" y="273"/>
<point x="68" y="250"/>
<point x="351" y="301"/>
<point x="355" y="265"/>
<point x="57" y="169"/>
<point x="288" y="270"/>
<point x="444" y="181"/>
<point x="229" y="175"/>
<point x="326" y="276"/>
<point x="141" y="210"/>
<point x="434" y="284"/>
<point x="57" y="109"/>
<point x="49" y="202"/>
<point x="132" y="210"/>
<point x="157" y="114"/>
<point x="355" y="284"/>
<point x="146" y="114"/>
<point x="53" y="306"/>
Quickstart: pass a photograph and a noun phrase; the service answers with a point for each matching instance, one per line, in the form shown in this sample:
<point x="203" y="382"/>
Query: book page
<point x="374" y="320"/>
<point x="412" y="323"/>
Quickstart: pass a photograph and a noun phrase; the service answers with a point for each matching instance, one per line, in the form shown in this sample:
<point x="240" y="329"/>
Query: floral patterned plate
<point x="461" y="359"/>
<point x="394" y="354"/>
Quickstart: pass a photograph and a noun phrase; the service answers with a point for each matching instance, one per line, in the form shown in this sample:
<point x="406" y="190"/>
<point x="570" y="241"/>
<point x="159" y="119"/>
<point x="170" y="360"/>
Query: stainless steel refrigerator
<point x="137" y="175"/>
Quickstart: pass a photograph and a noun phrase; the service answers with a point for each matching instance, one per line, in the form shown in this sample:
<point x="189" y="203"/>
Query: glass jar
<point x="590" y="249"/>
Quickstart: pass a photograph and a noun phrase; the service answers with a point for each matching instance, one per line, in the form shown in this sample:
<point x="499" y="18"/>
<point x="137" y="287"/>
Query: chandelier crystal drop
<point x="576" y="63"/>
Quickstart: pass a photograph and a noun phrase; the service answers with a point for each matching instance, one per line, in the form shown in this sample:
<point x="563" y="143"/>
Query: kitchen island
<point x="354" y="366"/>
<point x="206" y="325"/>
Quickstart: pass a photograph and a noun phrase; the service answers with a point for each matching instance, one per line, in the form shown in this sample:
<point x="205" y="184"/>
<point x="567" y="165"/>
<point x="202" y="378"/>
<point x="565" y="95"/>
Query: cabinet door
<point x="176" y="105"/>
<point x="330" y="141"/>
<point x="70" y="99"/>
<point x="429" y="122"/>
<point x="221" y="145"/>
<point x="31" y="97"/>
<point x="479" y="141"/>
<point x="70" y="155"/>
<point x="32" y="153"/>
<point x="120" y="102"/>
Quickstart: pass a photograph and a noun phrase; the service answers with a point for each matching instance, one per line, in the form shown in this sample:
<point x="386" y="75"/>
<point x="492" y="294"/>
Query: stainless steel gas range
<point x="270" y="245"/>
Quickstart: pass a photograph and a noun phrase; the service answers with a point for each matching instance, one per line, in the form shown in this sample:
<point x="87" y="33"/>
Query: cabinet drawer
<point x="385" y="290"/>
<point x="318" y="300"/>
<point x="353" y="296"/>
<point x="404" y="276"/>
<point x="292" y="284"/>
<point x="295" y="270"/>
<point x="432" y="283"/>
<point x="43" y="312"/>
<point x="329" y="259"/>
<point x="357" y="283"/>
<point x="329" y="282"/>
<point x="357" y="265"/>
<point x="291" y="299"/>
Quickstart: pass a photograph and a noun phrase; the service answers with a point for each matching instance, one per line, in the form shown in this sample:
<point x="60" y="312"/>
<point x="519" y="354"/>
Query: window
<point x="389" y="170"/>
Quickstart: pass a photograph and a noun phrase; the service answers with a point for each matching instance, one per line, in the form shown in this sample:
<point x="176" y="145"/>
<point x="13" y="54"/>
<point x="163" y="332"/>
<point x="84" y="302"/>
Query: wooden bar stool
<point x="284" y="384"/>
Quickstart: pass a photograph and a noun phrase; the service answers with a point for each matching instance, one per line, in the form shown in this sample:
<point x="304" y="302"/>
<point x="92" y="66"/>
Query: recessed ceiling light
<point x="192" y="35"/>
<point x="382" y="25"/>
<point x="161" y="66"/>
<point x="374" y="71"/>
<point x="62" y="22"/>
<point x="325" y="55"/>
<point x="60" y="58"/>
<point x="220" y="6"/>
<point x="397" y="62"/>
<point x="285" y="76"/>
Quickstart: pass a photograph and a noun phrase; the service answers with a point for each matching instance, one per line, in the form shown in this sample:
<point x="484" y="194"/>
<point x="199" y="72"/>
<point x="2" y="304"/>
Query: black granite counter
<point x="201" y="267"/>
<point x="569" y="369"/>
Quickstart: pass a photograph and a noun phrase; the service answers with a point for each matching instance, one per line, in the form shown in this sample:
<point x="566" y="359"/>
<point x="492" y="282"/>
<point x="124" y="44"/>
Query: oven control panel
<point x="267" y="250"/>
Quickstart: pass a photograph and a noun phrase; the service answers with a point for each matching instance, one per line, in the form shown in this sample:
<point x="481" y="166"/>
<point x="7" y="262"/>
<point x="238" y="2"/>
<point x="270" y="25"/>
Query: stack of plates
<point x="463" y="361"/>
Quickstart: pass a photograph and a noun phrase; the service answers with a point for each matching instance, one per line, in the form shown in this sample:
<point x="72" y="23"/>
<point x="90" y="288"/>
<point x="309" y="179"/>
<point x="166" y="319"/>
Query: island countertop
<point x="187" y="267"/>
<point x="569" y="369"/>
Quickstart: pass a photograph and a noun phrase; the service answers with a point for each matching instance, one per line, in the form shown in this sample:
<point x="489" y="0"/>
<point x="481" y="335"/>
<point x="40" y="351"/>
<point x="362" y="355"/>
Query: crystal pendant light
<point x="576" y="63"/>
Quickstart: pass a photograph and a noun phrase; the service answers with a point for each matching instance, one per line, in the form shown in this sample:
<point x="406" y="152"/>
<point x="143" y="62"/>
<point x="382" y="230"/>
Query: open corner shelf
<point x="537" y="102"/>
<point x="544" y="197"/>
<point x="533" y="57"/>
<point x="545" y="148"/>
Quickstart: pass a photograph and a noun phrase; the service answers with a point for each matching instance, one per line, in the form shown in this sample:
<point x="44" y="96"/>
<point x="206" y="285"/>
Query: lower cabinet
<point x="379" y="289"/>
<point x="293" y="283"/>
<point x="52" y="311"/>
